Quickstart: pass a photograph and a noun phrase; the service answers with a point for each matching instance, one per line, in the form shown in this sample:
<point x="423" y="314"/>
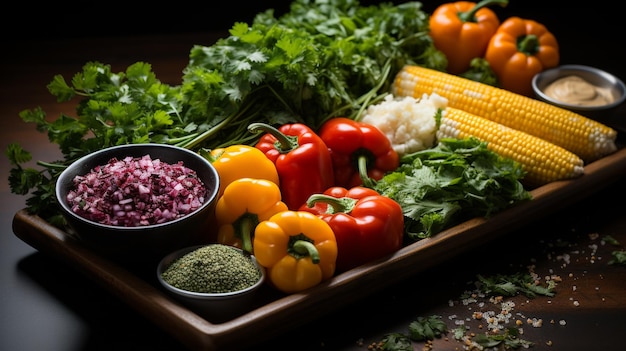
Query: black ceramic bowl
<point x="217" y="307"/>
<point x="601" y="79"/>
<point x="143" y="241"/>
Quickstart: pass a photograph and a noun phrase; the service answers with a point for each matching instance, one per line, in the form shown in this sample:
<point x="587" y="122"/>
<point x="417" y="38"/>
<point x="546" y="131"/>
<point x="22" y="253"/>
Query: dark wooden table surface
<point x="46" y="304"/>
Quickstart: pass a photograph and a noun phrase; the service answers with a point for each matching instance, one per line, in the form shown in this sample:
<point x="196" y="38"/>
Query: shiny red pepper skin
<point x="348" y="141"/>
<point x="302" y="160"/>
<point x="366" y="228"/>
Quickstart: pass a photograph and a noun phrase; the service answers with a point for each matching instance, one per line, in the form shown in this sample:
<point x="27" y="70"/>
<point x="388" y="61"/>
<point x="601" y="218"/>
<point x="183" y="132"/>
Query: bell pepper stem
<point x="306" y="248"/>
<point x="528" y="44"/>
<point x="247" y="228"/>
<point x="469" y="16"/>
<point x="335" y="204"/>
<point x="365" y="179"/>
<point x="284" y="143"/>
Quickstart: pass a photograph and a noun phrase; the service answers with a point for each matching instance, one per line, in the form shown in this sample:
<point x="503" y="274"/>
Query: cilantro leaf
<point x="619" y="257"/>
<point x="514" y="284"/>
<point x="16" y="154"/>
<point x="427" y="328"/>
<point x="454" y="181"/>
<point x="395" y="342"/>
<point x="510" y="339"/>
<point x="59" y="88"/>
<point x="610" y="240"/>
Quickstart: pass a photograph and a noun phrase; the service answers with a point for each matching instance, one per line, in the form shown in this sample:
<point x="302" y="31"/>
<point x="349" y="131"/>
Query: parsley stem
<point x="363" y="101"/>
<point x="195" y="142"/>
<point x="49" y="165"/>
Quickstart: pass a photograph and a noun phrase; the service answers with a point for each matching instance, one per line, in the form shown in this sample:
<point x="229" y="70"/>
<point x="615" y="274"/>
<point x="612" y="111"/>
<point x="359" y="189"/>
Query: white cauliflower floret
<point x="408" y="123"/>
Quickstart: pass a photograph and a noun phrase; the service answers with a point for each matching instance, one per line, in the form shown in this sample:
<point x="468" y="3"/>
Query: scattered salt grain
<point x="535" y="322"/>
<point x="565" y="258"/>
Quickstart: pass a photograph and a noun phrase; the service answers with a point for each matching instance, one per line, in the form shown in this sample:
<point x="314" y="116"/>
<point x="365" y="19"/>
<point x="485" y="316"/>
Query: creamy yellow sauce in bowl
<point x="576" y="90"/>
<point x="583" y="89"/>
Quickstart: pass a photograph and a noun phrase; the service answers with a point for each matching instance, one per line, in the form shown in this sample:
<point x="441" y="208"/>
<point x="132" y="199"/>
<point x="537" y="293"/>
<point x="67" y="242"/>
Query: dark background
<point x="40" y="305"/>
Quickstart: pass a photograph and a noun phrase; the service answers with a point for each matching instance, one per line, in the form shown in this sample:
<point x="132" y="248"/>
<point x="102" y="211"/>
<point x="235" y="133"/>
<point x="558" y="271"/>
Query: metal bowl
<point x="147" y="241"/>
<point x="217" y="307"/>
<point x="601" y="79"/>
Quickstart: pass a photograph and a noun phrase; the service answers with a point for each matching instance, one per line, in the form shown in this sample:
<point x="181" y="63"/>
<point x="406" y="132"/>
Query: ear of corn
<point x="543" y="161"/>
<point x="588" y="139"/>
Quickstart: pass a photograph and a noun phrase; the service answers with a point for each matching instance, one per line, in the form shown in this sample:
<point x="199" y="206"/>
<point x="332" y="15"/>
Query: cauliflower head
<point x="408" y="123"/>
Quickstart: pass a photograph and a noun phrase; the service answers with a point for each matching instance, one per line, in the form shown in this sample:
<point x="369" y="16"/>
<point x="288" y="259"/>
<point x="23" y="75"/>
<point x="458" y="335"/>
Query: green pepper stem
<point x="247" y="227"/>
<point x="365" y="179"/>
<point x="335" y="204"/>
<point x="284" y="143"/>
<point x="206" y="153"/>
<point x="528" y="44"/>
<point x="304" y="248"/>
<point x="469" y="16"/>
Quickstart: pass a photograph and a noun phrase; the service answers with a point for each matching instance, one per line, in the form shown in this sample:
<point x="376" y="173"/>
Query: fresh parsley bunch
<point x="320" y="60"/>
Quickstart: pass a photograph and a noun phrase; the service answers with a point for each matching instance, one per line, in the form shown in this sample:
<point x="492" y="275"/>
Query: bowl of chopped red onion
<point x="139" y="200"/>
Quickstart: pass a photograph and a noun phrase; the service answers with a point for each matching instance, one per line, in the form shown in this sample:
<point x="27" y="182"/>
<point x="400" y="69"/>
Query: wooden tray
<point x="276" y="314"/>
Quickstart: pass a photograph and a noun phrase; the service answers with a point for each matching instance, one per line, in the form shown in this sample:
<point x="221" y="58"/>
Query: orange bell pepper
<point x="245" y="203"/>
<point x="462" y="30"/>
<point x="520" y="49"/>
<point x="297" y="248"/>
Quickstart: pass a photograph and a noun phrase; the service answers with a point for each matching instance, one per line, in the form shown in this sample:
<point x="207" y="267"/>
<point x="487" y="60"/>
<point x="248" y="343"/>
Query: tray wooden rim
<point x="274" y="318"/>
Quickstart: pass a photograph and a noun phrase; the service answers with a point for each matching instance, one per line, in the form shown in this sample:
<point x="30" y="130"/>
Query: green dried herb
<point x="212" y="269"/>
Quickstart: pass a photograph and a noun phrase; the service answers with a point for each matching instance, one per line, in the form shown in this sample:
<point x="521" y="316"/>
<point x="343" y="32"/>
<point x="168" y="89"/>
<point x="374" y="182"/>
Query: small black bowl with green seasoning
<point x="215" y="280"/>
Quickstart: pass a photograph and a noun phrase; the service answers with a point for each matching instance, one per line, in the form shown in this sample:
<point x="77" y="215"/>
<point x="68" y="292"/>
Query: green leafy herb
<point x="458" y="333"/>
<point x="395" y="342"/>
<point x="610" y="240"/>
<point x="427" y="328"/>
<point x="454" y="181"/>
<point x="421" y="329"/>
<point x="510" y="339"/>
<point x="322" y="59"/>
<point x="514" y="284"/>
<point x="481" y="71"/>
<point x="619" y="257"/>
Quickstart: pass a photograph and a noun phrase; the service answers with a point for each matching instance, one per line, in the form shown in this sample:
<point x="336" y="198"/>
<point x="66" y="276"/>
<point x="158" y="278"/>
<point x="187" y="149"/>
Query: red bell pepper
<point x="367" y="225"/>
<point x="301" y="157"/>
<point x="360" y="151"/>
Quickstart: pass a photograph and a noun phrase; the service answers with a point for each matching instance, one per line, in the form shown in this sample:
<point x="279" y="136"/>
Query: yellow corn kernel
<point x="543" y="161"/>
<point x="588" y="139"/>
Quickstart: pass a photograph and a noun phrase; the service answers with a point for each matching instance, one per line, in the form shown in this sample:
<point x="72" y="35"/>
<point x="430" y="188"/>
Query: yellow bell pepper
<point x="241" y="161"/>
<point x="245" y="203"/>
<point x="297" y="248"/>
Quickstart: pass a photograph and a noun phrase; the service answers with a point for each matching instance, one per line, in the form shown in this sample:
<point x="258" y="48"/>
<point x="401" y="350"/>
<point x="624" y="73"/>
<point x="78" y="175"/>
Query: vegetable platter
<point x="274" y="314"/>
<point x="178" y="115"/>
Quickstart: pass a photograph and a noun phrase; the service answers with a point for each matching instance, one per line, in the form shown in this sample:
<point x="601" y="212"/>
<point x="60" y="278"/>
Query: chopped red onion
<point x="136" y="191"/>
